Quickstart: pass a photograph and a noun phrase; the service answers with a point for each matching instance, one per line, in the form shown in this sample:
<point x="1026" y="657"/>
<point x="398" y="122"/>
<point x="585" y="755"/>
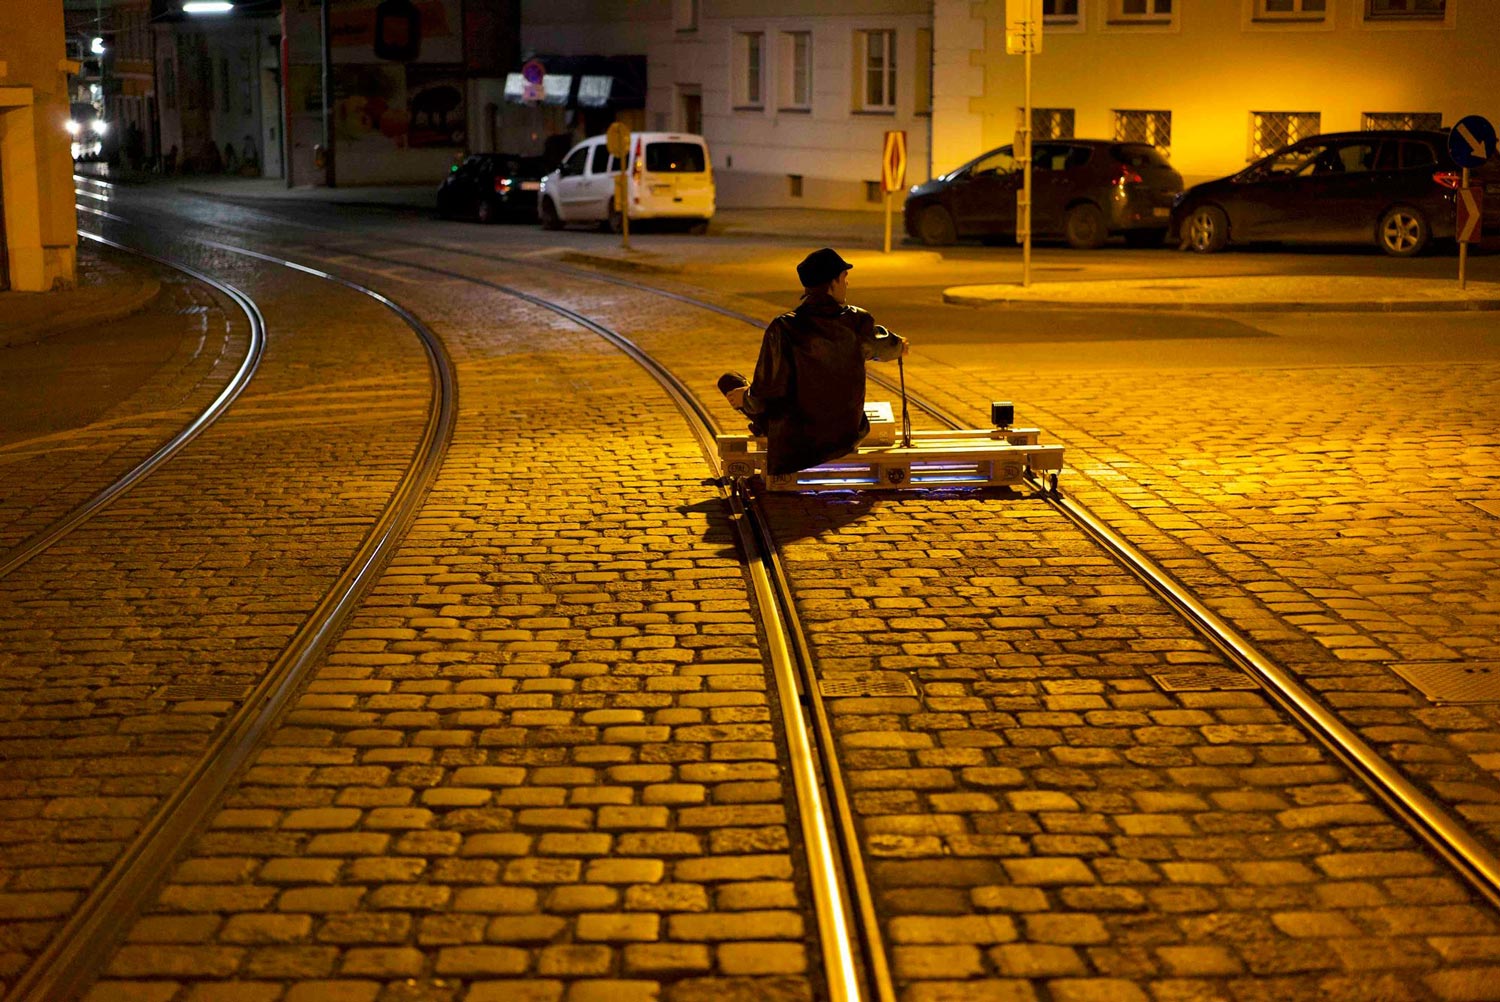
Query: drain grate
<point x="839" y="685"/>
<point x="1203" y="679"/>
<point x="1453" y="681"/>
<point x="204" y="690"/>
<point x="1488" y="507"/>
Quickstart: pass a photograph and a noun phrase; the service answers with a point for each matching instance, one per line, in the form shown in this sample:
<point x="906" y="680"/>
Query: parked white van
<point x="669" y="177"/>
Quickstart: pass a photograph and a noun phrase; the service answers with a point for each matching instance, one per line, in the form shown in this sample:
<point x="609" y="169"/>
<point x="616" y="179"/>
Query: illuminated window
<point x="685" y="15"/>
<point x="749" y="69"/>
<point x="1309" y="10"/>
<point x="1141" y="11"/>
<point x="1270" y="130"/>
<point x="1154" y="127"/>
<point x="1380" y="10"/>
<point x="795" y="74"/>
<point x="877" y="70"/>
<point x="1402" y="120"/>
<point x="1049" y="123"/>
<point x="1059" y="11"/>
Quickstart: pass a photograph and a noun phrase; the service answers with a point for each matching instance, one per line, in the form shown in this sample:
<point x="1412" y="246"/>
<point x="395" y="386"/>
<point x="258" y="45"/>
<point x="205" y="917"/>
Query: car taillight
<point x="503" y="185"/>
<point x="1447" y="178"/>
<point x="1128" y="176"/>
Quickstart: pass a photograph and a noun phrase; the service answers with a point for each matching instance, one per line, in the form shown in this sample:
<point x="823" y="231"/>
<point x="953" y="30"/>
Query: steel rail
<point x="70" y="962"/>
<point x="828" y="868"/>
<point x="1434" y="823"/>
<point x="215" y="409"/>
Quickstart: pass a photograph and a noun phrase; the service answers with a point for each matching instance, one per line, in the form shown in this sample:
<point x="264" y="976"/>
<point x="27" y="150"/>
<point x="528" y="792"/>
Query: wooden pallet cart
<point x="1001" y="456"/>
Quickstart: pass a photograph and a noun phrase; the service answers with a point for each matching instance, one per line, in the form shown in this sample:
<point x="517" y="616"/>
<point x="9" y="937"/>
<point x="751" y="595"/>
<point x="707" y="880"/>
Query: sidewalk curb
<point x="1351" y="306"/>
<point x="37" y="330"/>
<point x="618" y="263"/>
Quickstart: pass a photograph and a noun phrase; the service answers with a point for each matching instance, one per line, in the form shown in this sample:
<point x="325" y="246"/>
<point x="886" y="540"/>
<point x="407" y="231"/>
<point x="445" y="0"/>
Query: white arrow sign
<point x="1475" y="146"/>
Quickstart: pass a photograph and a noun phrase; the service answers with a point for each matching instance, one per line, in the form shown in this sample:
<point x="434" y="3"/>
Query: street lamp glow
<point x="97" y="46"/>
<point x="207" y="7"/>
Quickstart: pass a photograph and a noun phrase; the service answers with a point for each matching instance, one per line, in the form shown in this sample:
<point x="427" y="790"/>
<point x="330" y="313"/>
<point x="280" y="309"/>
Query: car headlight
<point x="72" y="127"/>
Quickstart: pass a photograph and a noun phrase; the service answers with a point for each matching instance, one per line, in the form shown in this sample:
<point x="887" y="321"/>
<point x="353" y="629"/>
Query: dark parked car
<point x="1391" y="188"/>
<point x="1082" y="190"/>
<point x="489" y="187"/>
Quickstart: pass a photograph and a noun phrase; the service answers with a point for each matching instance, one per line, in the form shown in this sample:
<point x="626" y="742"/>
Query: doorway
<point x="690" y="108"/>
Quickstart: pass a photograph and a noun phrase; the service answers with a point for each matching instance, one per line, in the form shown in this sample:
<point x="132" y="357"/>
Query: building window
<point x="1402" y="120"/>
<point x="685" y="15"/>
<point x="1141" y="11"/>
<point x="877" y="70"/>
<point x="1059" y="11"/>
<point x="1380" y="10"/>
<point x="1271" y="130"/>
<point x="749" y="67"/>
<point x="1307" y="10"/>
<point x="796" y="70"/>
<point x="1049" y="123"/>
<point x="922" y="77"/>
<point x="1154" y="127"/>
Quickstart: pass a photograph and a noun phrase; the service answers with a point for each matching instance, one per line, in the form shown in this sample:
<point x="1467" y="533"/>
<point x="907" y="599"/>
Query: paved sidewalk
<point x="107" y="289"/>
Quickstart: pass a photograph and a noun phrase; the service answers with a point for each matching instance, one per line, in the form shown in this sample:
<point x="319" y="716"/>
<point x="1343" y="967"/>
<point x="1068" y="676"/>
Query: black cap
<point x="821" y="267"/>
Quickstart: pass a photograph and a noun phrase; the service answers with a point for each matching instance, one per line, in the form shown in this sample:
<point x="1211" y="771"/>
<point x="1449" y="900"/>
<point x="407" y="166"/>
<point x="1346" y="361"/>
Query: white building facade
<point x="1214" y="83"/>
<point x="793" y="97"/>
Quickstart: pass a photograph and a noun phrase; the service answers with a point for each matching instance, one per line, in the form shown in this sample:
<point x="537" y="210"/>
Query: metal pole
<point x="329" y="176"/>
<point x="1026" y="167"/>
<point x="1463" y="246"/>
<point x="888" y="222"/>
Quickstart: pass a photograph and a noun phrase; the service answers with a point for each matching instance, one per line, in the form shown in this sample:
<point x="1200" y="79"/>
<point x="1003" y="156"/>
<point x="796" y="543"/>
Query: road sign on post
<point x="1471" y="143"/>
<point x="1470" y="207"/>
<point x="617" y="141"/>
<point x="1023" y="36"/>
<point x="892" y="174"/>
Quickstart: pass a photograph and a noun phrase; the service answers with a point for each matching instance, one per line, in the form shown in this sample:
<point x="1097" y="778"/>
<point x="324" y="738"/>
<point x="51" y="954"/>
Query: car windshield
<point x="996" y="162"/>
<point x="675" y="158"/>
<point x="1139" y="155"/>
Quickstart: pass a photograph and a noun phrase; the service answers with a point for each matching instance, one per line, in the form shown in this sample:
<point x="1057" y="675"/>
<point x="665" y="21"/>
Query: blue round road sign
<point x="1472" y="141"/>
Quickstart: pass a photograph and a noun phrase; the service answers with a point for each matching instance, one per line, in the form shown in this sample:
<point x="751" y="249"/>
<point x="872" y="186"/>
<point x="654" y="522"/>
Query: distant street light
<point x="97" y="46"/>
<point x="207" y="7"/>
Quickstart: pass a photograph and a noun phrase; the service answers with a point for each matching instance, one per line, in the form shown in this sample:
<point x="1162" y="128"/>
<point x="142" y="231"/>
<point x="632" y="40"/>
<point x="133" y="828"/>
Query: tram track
<point x="63" y="969"/>
<point x="1435" y="825"/>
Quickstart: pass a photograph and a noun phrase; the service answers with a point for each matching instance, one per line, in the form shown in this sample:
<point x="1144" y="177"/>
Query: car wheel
<point x="1208" y="229"/>
<point x="1084" y="227"/>
<point x="1402" y="232"/>
<point x="1145" y="238"/>
<point x="550" y="219"/>
<point x="485" y="212"/>
<point x="935" y="226"/>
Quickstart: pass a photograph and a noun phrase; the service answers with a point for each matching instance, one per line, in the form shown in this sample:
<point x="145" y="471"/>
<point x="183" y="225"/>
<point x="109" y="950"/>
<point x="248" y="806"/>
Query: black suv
<point x="1390" y="188"/>
<point x="489" y="187"/>
<point x="1083" y="190"/>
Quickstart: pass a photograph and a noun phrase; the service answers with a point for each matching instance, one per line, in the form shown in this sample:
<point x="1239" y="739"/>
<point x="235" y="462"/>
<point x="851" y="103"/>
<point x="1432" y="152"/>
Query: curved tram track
<point x="69" y="962"/>
<point x="845" y="905"/>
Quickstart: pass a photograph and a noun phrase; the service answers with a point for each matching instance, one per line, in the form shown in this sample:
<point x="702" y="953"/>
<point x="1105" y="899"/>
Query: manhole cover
<point x="865" y="683"/>
<point x="207" y="690"/>
<point x="1488" y="507"/>
<point x="1454" y="681"/>
<point x="1203" y="679"/>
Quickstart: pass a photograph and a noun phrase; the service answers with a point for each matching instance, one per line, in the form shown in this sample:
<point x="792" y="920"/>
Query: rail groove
<point x="64" y="969"/>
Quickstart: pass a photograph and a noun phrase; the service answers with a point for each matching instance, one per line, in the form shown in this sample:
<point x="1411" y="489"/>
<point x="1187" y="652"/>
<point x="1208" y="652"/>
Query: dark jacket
<point x="809" y="385"/>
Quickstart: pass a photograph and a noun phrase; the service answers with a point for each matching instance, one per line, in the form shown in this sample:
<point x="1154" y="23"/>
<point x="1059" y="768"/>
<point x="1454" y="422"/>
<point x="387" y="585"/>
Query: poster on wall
<point x="435" y="106"/>
<point x="352" y="24"/>
<point x="369" y="103"/>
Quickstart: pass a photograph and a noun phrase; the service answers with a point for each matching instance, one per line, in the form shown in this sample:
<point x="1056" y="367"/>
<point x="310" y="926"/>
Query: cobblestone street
<point x="543" y="758"/>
